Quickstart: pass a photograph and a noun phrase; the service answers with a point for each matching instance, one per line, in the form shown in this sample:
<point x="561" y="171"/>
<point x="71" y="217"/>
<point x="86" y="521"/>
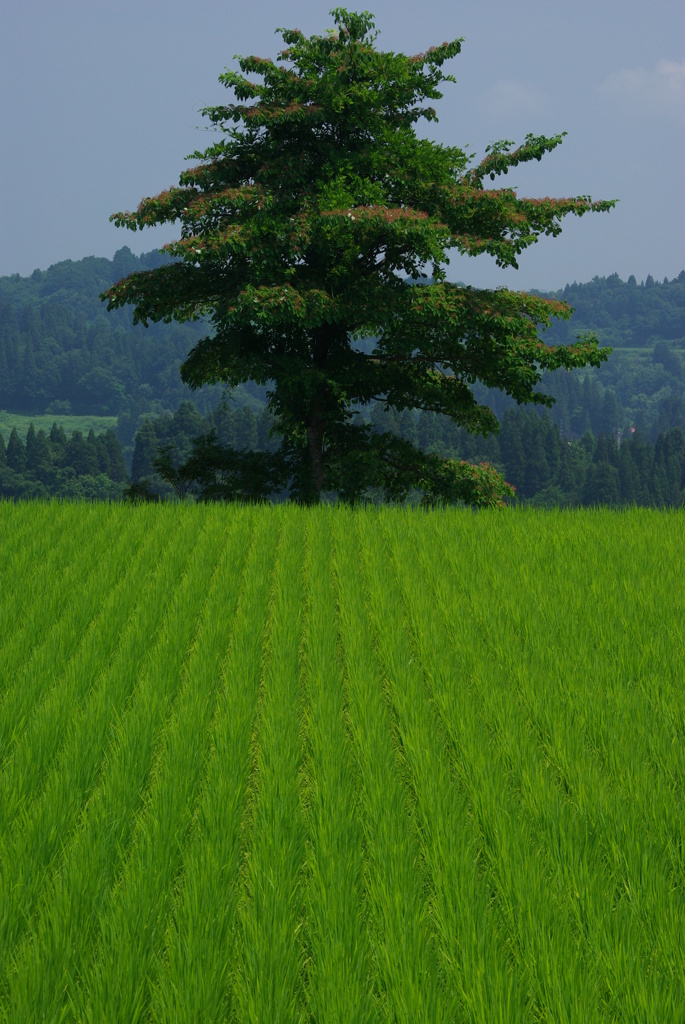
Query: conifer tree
<point x="117" y="465"/>
<point x="511" y="446"/>
<point x="58" y="442"/>
<point x="629" y="477"/>
<point x="16" y="452"/>
<point x="308" y="227"/>
<point x="40" y="461"/>
<point x="81" y="455"/>
<point x="145" y="452"/>
<point x="31" y="448"/>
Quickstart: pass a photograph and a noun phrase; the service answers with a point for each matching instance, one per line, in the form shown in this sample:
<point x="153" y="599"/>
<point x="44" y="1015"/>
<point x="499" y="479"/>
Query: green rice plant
<point x="458" y="897"/>
<point x="269" y="950"/>
<point x="34" y="658"/>
<point x="521" y="900"/>
<point x="54" y="958"/>
<point x="607" y="679"/>
<point x="34" y="546"/>
<point x="194" y="975"/>
<point x="115" y="985"/>
<point x="405" y="969"/>
<point x="629" y="676"/>
<point x="563" y="824"/>
<point x="31" y="854"/>
<point x="67" y="702"/>
<point x="338" y="966"/>
<point x="39" y="563"/>
<point x="630" y="841"/>
<point x="324" y="765"/>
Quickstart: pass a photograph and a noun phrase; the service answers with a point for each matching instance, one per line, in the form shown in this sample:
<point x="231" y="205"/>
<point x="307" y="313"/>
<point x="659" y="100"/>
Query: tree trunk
<point x="315" y="450"/>
<point x="318" y="407"/>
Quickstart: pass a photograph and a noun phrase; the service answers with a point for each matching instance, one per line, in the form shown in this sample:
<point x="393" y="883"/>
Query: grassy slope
<point x="9" y="420"/>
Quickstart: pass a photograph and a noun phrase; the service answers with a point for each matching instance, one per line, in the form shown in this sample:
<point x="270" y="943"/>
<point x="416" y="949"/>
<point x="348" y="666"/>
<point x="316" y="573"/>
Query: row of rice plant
<point x="58" y="833"/>
<point x="194" y="973"/>
<point x="268" y="948"/>
<point x="405" y="983"/>
<point x="337" y="979"/>
<point x="473" y="971"/>
<point x="55" y="725"/>
<point x="34" y="550"/>
<point x="601" y="935"/>
<point x="323" y="765"/>
<point x="34" y="656"/>
<point x="114" y="982"/>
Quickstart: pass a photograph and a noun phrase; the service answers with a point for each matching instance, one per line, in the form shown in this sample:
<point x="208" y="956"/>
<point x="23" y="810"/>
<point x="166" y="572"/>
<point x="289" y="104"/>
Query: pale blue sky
<point x="99" y="105"/>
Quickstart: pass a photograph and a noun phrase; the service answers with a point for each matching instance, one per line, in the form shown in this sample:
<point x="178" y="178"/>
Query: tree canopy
<point x="296" y="230"/>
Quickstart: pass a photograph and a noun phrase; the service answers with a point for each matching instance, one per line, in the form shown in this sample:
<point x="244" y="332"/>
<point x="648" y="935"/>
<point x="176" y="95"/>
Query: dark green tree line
<point x="52" y="465"/>
<point x="545" y="467"/>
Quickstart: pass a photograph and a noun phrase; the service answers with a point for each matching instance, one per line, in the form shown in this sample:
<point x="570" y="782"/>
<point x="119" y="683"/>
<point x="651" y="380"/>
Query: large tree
<point x="306" y="229"/>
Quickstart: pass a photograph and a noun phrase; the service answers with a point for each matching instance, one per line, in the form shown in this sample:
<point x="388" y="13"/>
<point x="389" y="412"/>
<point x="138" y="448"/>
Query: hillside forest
<point x="615" y="435"/>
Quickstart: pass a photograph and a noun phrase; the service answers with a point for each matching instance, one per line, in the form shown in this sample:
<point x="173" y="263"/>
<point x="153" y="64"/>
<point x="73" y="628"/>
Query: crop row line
<point x="130" y="703"/>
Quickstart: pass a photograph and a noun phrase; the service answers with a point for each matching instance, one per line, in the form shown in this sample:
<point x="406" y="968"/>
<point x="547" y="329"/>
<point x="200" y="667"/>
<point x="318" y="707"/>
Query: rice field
<point x="273" y="764"/>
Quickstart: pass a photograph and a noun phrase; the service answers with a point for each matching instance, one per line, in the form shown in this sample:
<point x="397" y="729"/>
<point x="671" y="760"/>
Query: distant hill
<point x="61" y="352"/>
<point x="624" y="314"/>
<point x="642" y="384"/>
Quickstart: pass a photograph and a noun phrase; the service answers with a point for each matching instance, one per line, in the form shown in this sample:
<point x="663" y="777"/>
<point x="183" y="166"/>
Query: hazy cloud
<point x="509" y="98"/>
<point x="660" y="91"/>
